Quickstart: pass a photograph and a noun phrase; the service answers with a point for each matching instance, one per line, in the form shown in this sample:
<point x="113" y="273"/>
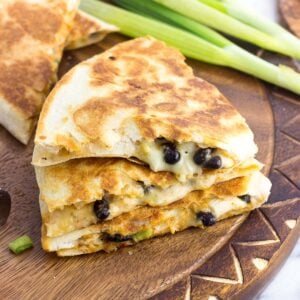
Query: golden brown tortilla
<point x="87" y="30"/>
<point x="221" y="201"/>
<point x="32" y="38"/>
<point x="69" y="190"/>
<point x="33" y="35"/>
<point x="117" y="103"/>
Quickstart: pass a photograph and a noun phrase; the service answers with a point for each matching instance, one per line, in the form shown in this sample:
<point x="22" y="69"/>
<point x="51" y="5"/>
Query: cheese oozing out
<point x="152" y="153"/>
<point x="169" y="220"/>
<point x="72" y="218"/>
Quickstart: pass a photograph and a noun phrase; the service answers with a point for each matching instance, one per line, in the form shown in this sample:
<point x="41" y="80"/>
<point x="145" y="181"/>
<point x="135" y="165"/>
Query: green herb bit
<point x="21" y="244"/>
<point x="142" y="235"/>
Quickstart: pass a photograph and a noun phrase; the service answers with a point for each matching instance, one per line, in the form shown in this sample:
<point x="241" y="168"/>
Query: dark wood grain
<point x="290" y="10"/>
<point x="171" y="267"/>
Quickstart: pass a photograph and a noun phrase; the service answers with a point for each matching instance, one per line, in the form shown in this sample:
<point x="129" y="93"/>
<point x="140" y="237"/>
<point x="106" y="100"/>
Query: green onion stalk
<point x="231" y="18"/>
<point x="21" y="244"/>
<point x="245" y="15"/>
<point x="191" y="38"/>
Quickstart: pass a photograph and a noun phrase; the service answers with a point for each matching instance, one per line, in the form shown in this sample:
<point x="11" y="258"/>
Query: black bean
<point x="202" y="155"/>
<point x="171" y="155"/>
<point x="213" y="163"/>
<point x="246" y="198"/>
<point x="147" y="188"/>
<point x="207" y="218"/>
<point x="101" y="208"/>
<point x="116" y="237"/>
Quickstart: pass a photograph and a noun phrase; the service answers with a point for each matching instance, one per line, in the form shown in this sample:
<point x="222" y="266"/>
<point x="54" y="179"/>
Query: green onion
<point x="245" y="15"/>
<point x="229" y="17"/>
<point x="135" y="25"/>
<point x="203" y="44"/>
<point x="150" y="8"/>
<point x="142" y="235"/>
<point x="21" y="244"/>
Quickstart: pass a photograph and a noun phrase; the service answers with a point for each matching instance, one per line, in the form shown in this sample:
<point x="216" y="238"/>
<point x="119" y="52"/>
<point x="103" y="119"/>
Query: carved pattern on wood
<point x="249" y="257"/>
<point x="275" y="222"/>
<point x="290" y="10"/>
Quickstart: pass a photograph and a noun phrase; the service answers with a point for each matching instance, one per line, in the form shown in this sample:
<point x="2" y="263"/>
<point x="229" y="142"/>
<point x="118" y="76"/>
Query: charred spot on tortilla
<point x="36" y="20"/>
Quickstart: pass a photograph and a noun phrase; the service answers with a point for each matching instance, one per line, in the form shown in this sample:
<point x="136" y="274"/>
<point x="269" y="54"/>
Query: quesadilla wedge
<point x="82" y="192"/>
<point x="87" y="30"/>
<point x="32" y="38"/>
<point x="197" y="209"/>
<point x="139" y="100"/>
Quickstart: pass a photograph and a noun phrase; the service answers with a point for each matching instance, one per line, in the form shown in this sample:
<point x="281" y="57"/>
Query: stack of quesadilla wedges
<point x="131" y="145"/>
<point x="33" y="35"/>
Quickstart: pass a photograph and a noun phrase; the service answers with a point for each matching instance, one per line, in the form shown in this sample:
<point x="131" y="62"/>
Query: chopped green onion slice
<point x="21" y="244"/>
<point x="142" y="235"/>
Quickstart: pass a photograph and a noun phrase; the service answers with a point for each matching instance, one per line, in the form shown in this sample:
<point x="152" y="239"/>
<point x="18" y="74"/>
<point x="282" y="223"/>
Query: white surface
<point x="267" y="8"/>
<point x="286" y="284"/>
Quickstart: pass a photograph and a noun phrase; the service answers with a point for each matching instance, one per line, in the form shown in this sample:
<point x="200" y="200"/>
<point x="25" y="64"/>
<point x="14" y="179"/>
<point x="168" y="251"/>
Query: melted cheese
<point x="71" y="218"/>
<point x="152" y="153"/>
<point x="75" y="217"/>
<point x="90" y="239"/>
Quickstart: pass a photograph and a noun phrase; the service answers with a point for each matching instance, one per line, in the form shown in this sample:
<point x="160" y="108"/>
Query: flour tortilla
<point x="87" y="30"/>
<point x="68" y="191"/>
<point x="146" y="222"/>
<point x="33" y="35"/>
<point x="121" y="102"/>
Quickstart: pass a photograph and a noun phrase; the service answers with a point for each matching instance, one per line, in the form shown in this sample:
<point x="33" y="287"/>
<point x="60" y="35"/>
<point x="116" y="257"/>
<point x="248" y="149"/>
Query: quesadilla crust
<point x="85" y="21"/>
<point x="85" y="180"/>
<point x="11" y="34"/>
<point x="148" y="222"/>
<point x="16" y="78"/>
<point x="87" y="30"/>
<point x="147" y="99"/>
<point x="69" y="191"/>
<point x="37" y="21"/>
<point x="235" y="186"/>
<point x="32" y="40"/>
<point x="140" y="88"/>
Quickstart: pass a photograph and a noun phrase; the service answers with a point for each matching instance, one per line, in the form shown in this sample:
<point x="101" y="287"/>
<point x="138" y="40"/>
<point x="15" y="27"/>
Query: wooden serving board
<point x="290" y="10"/>
<point x="232" y="259"/>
